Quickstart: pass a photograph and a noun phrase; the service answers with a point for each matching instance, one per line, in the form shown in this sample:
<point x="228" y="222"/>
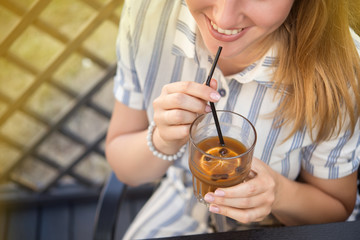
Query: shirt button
<point x="222" y="92"/>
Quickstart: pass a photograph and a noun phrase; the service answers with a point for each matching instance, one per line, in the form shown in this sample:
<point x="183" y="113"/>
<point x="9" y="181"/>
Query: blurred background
<point x="57" y="61"/>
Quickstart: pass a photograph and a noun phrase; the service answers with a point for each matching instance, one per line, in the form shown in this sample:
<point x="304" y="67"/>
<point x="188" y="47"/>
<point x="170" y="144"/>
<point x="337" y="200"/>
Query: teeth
<point x="225" y="31"/>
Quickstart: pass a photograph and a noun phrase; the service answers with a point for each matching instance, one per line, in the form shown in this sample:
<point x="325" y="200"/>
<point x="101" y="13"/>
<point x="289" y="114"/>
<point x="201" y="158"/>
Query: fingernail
<point x="252" y="174"/>
<point x="219" y="193"/>
<point x="215" y="96"/>
<point x="207" y="108"/>
<point x="214" y="209"/>
<point x="209" y="197"/>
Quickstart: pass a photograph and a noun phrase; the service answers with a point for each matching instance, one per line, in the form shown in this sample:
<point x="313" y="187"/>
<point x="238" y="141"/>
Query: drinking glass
<point x="214" y="165"/>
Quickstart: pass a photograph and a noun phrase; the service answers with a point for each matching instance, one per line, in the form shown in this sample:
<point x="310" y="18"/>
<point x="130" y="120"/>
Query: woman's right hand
<point x="176" y="108"/>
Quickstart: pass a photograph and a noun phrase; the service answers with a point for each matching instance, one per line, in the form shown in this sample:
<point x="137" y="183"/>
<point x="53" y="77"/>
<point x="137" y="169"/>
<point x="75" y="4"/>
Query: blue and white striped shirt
<point x="159" y="43"/>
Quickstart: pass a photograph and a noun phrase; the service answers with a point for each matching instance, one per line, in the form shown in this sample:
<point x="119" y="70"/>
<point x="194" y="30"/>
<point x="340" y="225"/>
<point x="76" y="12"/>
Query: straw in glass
<point x="213" y="110"/>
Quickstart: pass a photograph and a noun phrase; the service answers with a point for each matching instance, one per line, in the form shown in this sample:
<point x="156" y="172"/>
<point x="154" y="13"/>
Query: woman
<point x="291" y="67"/>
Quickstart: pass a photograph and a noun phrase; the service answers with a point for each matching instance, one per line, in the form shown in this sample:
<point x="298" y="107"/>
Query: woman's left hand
<point x="250" y="201"/>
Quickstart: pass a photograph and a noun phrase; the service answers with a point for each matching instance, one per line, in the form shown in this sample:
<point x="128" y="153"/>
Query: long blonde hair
<point x="318" y="68"/>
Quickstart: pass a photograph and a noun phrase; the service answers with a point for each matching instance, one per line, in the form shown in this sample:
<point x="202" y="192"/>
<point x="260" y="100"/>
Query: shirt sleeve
<point x="127" y="89"/>
<point x="336" y="158"/>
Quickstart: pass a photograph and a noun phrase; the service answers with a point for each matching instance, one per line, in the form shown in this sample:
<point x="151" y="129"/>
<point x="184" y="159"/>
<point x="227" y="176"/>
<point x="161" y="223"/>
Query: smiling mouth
<point x="226" y="31"/>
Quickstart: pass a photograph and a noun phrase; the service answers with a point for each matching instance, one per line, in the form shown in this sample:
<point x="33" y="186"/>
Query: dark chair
<point x="117" y="207"/>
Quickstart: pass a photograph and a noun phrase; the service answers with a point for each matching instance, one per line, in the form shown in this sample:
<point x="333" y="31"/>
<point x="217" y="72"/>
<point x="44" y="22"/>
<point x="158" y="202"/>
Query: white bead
<point x="159" y="154"/>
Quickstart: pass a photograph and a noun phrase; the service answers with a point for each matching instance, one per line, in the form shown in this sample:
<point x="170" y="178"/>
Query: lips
<point x="225" y="35"/>
<point x="226" y="31"/>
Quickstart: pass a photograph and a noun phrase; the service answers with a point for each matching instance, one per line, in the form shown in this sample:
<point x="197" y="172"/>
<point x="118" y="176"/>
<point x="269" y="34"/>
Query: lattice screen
<point x="57" y="59"/>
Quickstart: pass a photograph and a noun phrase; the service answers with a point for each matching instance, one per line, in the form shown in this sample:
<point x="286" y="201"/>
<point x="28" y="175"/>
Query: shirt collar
<point x="260" y="71"/>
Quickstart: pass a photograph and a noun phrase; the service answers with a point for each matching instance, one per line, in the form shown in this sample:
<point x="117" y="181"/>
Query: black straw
<point x="213" y="110"/>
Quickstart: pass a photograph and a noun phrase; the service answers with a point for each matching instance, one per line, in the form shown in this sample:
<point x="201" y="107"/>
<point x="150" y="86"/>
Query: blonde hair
<point x="318" y="67"/>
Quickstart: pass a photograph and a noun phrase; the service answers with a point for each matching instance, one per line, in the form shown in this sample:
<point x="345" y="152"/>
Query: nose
<point x="229" y="13"/>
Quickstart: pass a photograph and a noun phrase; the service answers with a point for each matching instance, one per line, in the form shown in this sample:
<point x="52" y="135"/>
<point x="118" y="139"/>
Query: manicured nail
<point x="207" y="108"/>
<point x="219" y="193"/>
<point x="214" y="209"/>
<point x="209" y="197"/>
<point x="215" y="96"/>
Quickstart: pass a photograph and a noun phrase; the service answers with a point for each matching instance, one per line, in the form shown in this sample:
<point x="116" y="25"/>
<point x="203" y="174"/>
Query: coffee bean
<point x="216" y="177"/>
<point x="239" y="169"/>
<point x="223" y="151"/>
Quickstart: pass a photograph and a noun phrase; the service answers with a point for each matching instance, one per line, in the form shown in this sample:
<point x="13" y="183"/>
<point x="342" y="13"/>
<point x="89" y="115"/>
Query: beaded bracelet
<point x="158" y="154"/>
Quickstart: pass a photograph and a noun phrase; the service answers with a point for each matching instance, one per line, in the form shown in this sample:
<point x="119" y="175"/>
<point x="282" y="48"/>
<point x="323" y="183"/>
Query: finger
<point x="183" y="101"/>
<point x="250" y="188"/>
<point x="178" y="116"/>
<point x="194" y="89"/>
<point x="213" y="83"/>
<point x="252" y="174"/>
<point x="247" y="202"/>
<point x="241" y="215"/>
<point x="175" y="132"/>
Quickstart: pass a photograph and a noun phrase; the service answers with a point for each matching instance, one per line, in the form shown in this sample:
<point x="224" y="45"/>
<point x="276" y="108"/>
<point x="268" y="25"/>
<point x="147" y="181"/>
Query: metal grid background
<point x="53" y="125"/>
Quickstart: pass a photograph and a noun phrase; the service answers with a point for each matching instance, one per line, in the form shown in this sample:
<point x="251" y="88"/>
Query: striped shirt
<point x="158" y="43"/>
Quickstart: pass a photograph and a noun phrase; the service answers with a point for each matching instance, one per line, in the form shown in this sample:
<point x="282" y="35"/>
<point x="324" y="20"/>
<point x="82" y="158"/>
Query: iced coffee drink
<point x="214" y="165"/>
